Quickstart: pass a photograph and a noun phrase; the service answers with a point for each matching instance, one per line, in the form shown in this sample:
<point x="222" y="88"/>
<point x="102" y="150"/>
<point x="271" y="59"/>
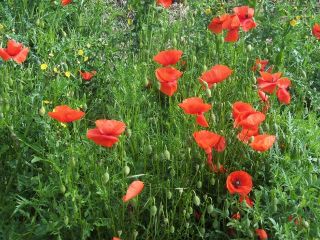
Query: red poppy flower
<point x="262" y="234"/>
<point x="236" y="216"/>
<point x="245" y="116"/>
<point x="208" y="140"/>
<point x="87" y="75"/>
<point x="232" y="24"/>
<point x="245" y="15"/>
<point x="15" y="51"/>
<point x="107" y="132"/>
<point x="316" y="30"/>
<point x="261" y="66"/>
<point x="239" y="182"/>
<point x="215" y="25"/>
<point x="134" y="189"/>
<point x="196" y="106"/>
<point x="247" y="199"/>
<point x="168" y="78"/>
<point x="165" y="3"/>
<point x="268" y="81"/>
<point x="65" y="2"/>
<point x="262" y="143"/>
<point x="246" y="134"/>
<point x="216" y="74"/>
<point x="168" y="57"/>
<point x="65" y="114"/>
<point x="116" y="238"/>
<point x="221" y="169"/>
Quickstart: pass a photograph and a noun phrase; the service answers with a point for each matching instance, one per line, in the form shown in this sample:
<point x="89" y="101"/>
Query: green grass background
<point x="56" y="184"/>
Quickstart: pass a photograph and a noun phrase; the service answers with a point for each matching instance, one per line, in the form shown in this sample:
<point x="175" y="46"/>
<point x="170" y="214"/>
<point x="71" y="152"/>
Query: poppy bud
<point x="175" y="42"/>
<point x="128" y="132"/>
<point x="135" y="234"/>
<point x="169" y="195"/>
<point x="64" y="33"/>
<point x="172" y="229"/>
<point x="62" y="188"/>
<point x="199" y="184"/>
<point x="266" y="50"/>
<point x="215" y="224"/>
<point x="306" y="224"/>
<point x="304" y="74"/>
<point x="210" y="209"/>
<point x="196" y="200"/>
<point x="166" y="220"/>
<point x="208" y="92"/>
<point x="202" y="231"/>
<point x="197" y="167"/>
<point x="250" y="48"/>
<point x="73" y="162"/>
<point x="204" y="69"/>
<point x="149" y="149"/>
<point x="184" y="212"/>
<point x="166" y="154"/>
<point x="153" y="210"/>
<point x="194" y="58"/>
<point x="66" y="220"/>
<point x="172" y="172"/>
<point x="212" y="181"/>
<point x="126" y="170"/>
<point x="187" y="225"/>
<point x="205" y="197"/>
<point x="42" y="111"/>
<point x="106" y="177"/>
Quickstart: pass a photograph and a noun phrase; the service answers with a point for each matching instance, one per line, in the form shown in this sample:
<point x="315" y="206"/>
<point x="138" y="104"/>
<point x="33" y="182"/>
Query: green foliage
<point x="56" y="184"/>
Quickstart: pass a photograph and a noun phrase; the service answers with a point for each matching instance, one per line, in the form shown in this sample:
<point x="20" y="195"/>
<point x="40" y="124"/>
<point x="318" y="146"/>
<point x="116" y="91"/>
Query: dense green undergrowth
<point x="56" y="184"/>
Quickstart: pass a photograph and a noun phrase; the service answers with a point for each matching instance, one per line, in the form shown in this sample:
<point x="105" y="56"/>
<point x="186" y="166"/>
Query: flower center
<point x="237" y="183"/>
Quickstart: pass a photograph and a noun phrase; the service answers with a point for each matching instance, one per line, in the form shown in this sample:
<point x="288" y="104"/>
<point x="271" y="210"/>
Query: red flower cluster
<point x="249" y="119"/>
<point x="271" y="82"/>
<point x="241" y="18"/>
<point x="168" y="76"/>
<point x="15" y="51"/>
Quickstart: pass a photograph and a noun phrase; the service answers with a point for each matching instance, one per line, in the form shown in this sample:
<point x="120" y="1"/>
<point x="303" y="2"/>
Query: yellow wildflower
<point x="1" y="27"/>
<point x="68" y="74"/>
<point x="207" y="11"/>
<point x="298" y="17"/>
<point x="55" y="70"/>
<point x="85" y="59"/>
<point x="63" y="125"/>
<point x="293" y="22"/>
<point x="43" y="66"/>
<point x="130" y="21"/>
<point x="80" y="52"/>
<point x="46" y="102"/>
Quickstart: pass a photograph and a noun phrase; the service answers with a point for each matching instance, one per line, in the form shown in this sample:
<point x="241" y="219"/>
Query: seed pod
<point x="126" y="170"/>
<point x="153" y="210"/>
<point x="210" y="209"/>
<point x="196" y="200"/>
<point x="249" y="48"/>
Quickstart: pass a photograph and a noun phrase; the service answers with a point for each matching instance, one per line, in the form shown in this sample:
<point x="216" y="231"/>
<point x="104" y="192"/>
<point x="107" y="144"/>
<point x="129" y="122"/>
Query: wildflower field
<point x="159" y="119"/>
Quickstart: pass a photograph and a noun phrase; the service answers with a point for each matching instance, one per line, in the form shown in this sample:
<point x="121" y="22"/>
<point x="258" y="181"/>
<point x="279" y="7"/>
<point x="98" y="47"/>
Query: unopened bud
<point x="42" y="111"/>
<point x="196" y="200"/>
<point x="126" y="170"/>
<point x="153" y="210"/>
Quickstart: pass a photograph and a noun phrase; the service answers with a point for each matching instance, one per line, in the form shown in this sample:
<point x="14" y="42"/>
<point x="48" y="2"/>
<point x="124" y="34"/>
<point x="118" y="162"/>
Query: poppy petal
<point x="21" y="56"/>
<point x="262" y="143"/>
<point x="201" y="120"/>
<point x="110" y="127"/>
<point x="13" y="48"/>
<point x="168" y="57"/>
<point x="4" y="55"/>
<point x="101" y="139"/>
<point x="134" y="189"/>
<point x="283" y="96"/>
